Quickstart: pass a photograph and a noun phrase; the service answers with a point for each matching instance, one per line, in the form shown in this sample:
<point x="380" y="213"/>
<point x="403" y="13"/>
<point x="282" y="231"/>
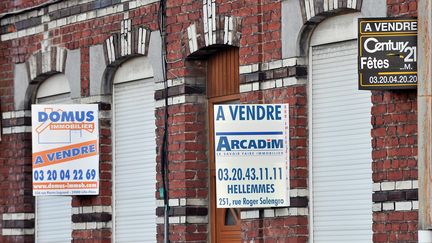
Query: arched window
<point x="340" y="144"/>
<point x="134" y="169"/>
<point x="54" y="213"/>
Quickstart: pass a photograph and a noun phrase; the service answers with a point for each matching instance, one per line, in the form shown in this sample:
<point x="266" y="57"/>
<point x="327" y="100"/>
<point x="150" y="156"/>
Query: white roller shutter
<point x="54" y="213"/>
<point x="135" y="166"/>
<point x="341" y="147"/>
<point x="53" y="219"/>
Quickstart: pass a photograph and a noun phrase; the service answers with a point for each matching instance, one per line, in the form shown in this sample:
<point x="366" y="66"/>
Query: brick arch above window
<point x="43" y="64"/>
<point x="205" y="36"/>
<point x="301" y="17"/>
<point x="130" y="42"/>
<point x="317" y="10"/>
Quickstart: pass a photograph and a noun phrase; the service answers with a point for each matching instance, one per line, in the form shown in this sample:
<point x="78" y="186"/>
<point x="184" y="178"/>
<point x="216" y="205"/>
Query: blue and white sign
<point x="252" y="155"/>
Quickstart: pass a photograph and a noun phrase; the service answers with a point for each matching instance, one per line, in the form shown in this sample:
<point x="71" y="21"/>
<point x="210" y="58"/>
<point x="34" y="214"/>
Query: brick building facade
<point x="271" y="52"/>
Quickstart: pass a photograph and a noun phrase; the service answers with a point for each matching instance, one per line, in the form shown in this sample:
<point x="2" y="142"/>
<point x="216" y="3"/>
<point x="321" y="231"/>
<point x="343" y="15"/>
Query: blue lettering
<point x="67" y="116"/>
<point x="278" y="112"/>
<point x="50" y="157"/>
<point x="90" y="116"/>
<point x="223" y="144"/>
<point x="220" y="114"/>
<point x="242" y="113"/>
<point x="75" y="151"/>
<point x="84" y="150"/>
<point x="235" y="144"/>
<point x="233" y="112"/>
<point x="42" y="116"/>
<point x="78" y="117"/>
<point x="270" y="110"/>
<point x="277" y="143"/>
<point x="252" y="144"/>
<point x="58" y="155"/>
<point x="260" y="112"/>
<point x="92" y="148"/>
<point x="39" y="160"/>
<point x="54" y="116"/>
<point x="253" y="112"/>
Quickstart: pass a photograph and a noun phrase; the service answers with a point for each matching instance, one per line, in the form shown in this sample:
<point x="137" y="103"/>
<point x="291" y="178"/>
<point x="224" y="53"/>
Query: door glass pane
<point x="230" y="219"/>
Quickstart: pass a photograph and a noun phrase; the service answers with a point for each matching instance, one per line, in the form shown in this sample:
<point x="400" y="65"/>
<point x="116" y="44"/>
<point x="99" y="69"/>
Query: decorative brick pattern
<point x="18" y="224"/>
<point x="316" y="10"/>
<point x="45" y="63"/>
<point x="212" y="30"/>
<point x="62" y="14"/>
<point x="131" y="41"/>
<point x="7" y="6"/>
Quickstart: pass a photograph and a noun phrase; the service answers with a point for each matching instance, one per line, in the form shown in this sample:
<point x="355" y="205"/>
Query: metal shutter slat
<point x="54" y="213"/>
<point x="341" y="149"/>
<point x="135" y="166"/>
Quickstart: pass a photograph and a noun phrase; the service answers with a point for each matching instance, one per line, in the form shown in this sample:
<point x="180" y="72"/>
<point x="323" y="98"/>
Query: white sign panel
<point x="252" y="155"/>
<point x="65" y="149"/>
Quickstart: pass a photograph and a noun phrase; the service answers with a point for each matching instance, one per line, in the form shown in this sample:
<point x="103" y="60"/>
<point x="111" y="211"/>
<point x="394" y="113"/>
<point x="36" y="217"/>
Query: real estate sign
<point x="65" y="157"/>
<point x="251" y="155"/>
<point x="387" y="53"/>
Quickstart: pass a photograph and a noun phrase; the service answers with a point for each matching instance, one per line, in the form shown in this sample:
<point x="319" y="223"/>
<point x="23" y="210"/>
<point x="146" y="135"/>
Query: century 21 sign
<point x="387" y="54"/>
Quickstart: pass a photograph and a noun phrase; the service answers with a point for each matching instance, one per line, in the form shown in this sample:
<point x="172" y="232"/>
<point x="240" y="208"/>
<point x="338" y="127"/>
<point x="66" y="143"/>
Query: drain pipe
<point x="424" y="103"/>
<point x="164" y="191"/>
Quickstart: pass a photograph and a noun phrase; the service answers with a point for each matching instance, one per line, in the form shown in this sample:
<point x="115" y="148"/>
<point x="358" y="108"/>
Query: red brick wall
<point x="394" y="144"/>
<point x="6" y="77"/>
<point x="15" y="150"/>
<point x="7" y="6"/>
<point x="402" y="7"/>
<point x="188" y="167"/>
<point x="394" y="119"/>
<point x="261" y="22"/>
<point x="286" y="228"/>
<point x="15" y="179"/>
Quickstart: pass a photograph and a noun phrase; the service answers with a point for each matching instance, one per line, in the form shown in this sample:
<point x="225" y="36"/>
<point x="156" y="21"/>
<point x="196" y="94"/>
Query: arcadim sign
<point x="252" y="155"/>
<point x="387" y="54"/>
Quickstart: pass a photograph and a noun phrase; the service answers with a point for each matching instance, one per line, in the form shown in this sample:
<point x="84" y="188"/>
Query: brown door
<point x="223" y="87"/>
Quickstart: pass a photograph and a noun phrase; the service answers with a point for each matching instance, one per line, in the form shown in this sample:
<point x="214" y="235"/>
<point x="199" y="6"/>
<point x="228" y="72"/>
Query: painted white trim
<point x="17" y="129"/>
<point x="54" y="85"/>
<point x="250" y="214"/>
<point x="137" y="68"/>
<point x="181" y="99"/>
<point x="17" y="231"/>
<point x="16" y="114"/>
<point x="113" y="171"/>
<point x="18" y="216"/>
<point x="310" y="138"/>
<point x="395" y="185"/>
<point x="425" y="236"/>
<point x="92" y="225"/>
<point x="92" y="209"/>
<point x="340" y="28"/>
<point x="36" y="235"/>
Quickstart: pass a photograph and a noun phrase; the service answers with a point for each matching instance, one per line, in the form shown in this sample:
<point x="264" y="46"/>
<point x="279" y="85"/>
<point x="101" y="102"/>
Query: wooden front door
<point x="222" y="87"/>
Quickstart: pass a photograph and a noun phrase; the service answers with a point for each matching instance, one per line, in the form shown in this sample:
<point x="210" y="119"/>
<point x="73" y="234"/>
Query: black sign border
<point x="361" y="35"/>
